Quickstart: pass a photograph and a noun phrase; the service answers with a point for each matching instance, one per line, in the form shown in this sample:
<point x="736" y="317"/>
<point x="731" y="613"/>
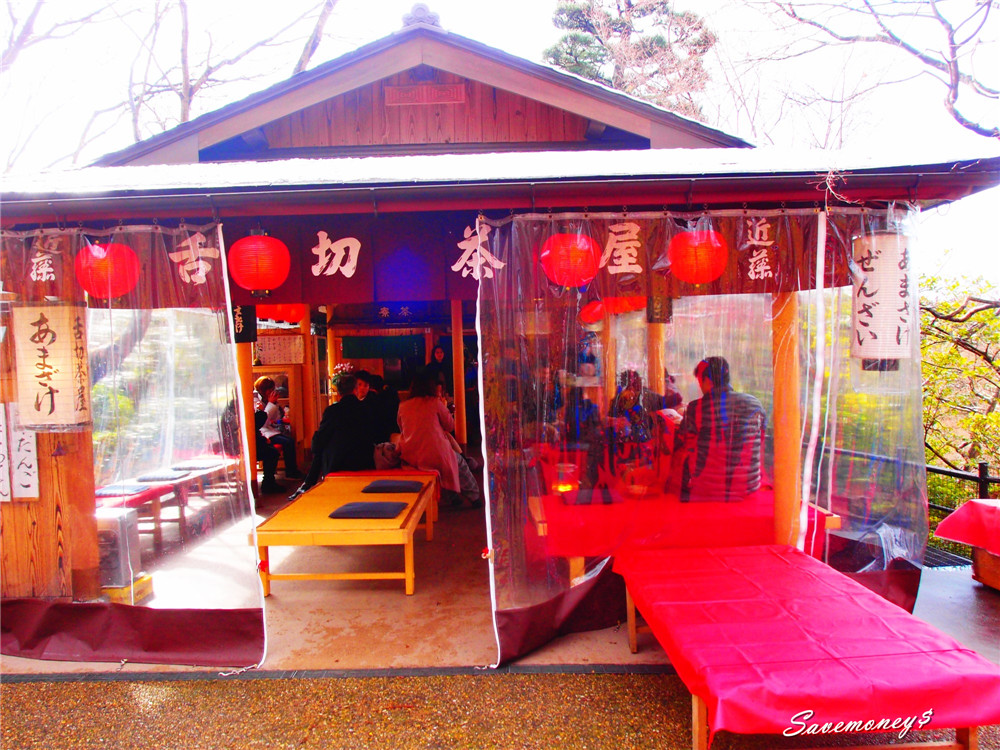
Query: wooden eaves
<point x="218" y="194"/>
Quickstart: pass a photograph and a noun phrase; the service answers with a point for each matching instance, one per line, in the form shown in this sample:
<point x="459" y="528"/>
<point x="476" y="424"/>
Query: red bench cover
<point x="137" y="499"/>
<point x="597" y="529"/>
<point x="976" y="523"/>
<point x="765" y="633"/>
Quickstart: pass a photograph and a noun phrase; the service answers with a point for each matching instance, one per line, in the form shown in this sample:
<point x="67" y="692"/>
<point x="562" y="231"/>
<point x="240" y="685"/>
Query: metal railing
<point x="982" y="479"/>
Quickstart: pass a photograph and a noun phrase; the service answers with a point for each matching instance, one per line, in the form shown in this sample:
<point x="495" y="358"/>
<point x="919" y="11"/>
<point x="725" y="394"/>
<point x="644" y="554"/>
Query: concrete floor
<point x="363" y="625"/>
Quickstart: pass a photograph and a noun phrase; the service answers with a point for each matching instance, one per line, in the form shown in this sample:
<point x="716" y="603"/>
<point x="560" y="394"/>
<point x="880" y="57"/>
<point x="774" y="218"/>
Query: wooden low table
<point x="306" y="521"/>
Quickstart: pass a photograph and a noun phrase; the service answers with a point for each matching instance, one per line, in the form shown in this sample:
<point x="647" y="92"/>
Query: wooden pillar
<point x="428" y="345"/>
<point x="69" y="476"/>
<point x="609" y="367"/>
<point x="458" y="371"/>
<point x="244" y="372"/>
<point x="310" y="388"/>
<point x="332" y="354"/>
<point x="787" y="417"/>
<point x="655" y="363"/>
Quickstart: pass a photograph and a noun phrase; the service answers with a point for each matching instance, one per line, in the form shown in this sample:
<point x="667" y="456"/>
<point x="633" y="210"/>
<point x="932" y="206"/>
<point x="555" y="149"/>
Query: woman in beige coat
<point x="425" y="442"/>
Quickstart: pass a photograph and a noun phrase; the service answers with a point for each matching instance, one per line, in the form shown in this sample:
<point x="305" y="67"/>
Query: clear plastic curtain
<point x="862" y="416"/>
<point x="599" y="433"/>
<point x="171" y="501"/>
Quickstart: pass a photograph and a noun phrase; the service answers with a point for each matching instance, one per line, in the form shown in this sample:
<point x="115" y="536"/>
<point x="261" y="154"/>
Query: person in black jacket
<point x="386" y="402"/>
<point x="719" y="440"/>
<point x="345" y="439"/>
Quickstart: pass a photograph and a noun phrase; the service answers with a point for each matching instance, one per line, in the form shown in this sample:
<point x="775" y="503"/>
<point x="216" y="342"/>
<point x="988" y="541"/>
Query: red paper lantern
<point x="107" y="271"/>
<point x="570" y="259"/>
<point x="698" y="257"/>
<point x="290" y="313"/>
<point x="259" y="263"/>
<point x="594" y="311"/>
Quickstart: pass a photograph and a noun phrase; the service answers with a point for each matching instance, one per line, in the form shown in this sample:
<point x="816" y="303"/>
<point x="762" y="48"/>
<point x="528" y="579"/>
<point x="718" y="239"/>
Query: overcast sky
<point x="60" y="84"/>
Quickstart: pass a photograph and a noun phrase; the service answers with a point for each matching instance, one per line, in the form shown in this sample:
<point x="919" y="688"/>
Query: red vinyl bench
<point x="166" y="487"/>
<point x="772" y="641"/>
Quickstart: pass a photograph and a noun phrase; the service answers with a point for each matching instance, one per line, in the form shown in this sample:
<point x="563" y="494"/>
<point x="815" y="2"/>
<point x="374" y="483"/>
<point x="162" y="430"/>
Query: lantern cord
<point x="820" y="369"/>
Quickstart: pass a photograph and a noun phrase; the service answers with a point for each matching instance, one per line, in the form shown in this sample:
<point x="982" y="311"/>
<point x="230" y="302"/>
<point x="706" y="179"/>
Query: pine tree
<point x="641" y="47"/>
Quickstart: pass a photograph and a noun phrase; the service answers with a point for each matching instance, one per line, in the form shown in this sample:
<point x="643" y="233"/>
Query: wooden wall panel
<point x="48" y="546"/>
<point x="361" y="118"/>
<point x="34" y="557"/>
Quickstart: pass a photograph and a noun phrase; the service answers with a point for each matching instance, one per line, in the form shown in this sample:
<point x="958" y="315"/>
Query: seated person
<point x="386" y="407"/>
<point x="268" y="456"/>
<point x="345" y="438"/>
<point x="272" y="427"/>
<point x="718" y="444"/>
<point x="426" y="443"/>
<point x="585" y="429"/>
<point x="668" y="417"/>
<point x="633" y="406"/>
<point x="672" y="398"/>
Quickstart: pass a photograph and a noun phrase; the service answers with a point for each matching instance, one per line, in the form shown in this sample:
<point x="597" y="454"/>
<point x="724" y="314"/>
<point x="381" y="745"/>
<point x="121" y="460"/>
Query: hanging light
<point x="884" y="312"/>
<point x="107" y="271"/>
<point x="570" y="259"/>
<point x="289" y="313"/>
<point x="698" y="256"/>
<point x="259" y="263"/>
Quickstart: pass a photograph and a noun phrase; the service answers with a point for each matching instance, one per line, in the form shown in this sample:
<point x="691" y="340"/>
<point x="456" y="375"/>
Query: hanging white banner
<point x="23" y="458"/>
<point x="883" y="306"/>
<point x="53" y="380"/>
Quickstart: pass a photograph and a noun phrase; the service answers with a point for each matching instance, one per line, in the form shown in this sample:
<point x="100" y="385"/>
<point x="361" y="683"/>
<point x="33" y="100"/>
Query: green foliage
<point x="579" y="53"/>
<point x="641" y="47"/>
<point x="111" y="408"/>
<point x="959" y="347"/>
<point x="949" y="492"/>
<point x="960" y="356"/>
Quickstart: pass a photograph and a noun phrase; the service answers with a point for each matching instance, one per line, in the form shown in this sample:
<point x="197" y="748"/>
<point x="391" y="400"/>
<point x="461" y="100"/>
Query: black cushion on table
<point x="164" y="475"/>
<point x="369" y="510"/>
<point x="394" y="485"/>
<point x="600" y="496"/>
<point x="120" y="490"/>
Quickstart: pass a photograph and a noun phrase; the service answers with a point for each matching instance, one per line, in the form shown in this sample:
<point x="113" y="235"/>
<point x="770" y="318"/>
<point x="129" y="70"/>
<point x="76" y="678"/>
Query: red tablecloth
<point x="976" y="523"/>
<point x="763" y="634"/>
<point x="660" y="520"/>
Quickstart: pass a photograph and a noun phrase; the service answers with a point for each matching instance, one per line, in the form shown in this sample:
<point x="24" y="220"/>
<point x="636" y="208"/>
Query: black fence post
<point x="984" y="480"/>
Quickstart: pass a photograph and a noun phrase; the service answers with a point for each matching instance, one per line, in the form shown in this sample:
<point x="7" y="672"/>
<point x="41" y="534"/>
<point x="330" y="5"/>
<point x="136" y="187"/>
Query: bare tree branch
<point x="24" y="35"/>
<point x="312" y="43"/>
<point x="905" y="26"/>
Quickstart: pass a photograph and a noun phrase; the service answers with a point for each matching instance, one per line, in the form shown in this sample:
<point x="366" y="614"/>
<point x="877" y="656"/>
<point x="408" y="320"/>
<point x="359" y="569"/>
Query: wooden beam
<point x="699" y="723"/>
<point x="309" y="385"/>
<point x="655" y="363"/>
<point x="493" y="73"/>
<point x="364" y="72"/>
<point x="332" y="351"/>
<point x="458" y="371"/>
<point x="787" y="416"/>
<point x="244" y="372"/>
<point x="71" y="481"/>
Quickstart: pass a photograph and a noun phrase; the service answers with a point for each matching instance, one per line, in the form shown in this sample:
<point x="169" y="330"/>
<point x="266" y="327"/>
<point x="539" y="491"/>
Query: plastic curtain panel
<point x="597" y="339"/>
<point x="863" y="452"/>
<point x="170" y="498"/>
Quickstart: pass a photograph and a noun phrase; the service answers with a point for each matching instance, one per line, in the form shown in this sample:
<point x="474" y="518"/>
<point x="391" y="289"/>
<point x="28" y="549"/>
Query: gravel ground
<point x="490" y="710"/>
